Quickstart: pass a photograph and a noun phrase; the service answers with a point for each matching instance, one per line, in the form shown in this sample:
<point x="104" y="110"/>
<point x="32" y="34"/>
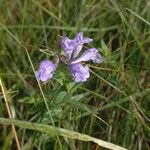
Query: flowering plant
<point x="73" y="58"/>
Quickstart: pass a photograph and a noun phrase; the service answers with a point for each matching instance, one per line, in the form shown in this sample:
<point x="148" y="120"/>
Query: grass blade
<point x="62" y="132"/>
<point x="138" y="16"/>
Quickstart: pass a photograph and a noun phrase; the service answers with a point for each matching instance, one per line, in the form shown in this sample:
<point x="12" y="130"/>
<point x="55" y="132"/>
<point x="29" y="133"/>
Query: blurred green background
<point x="113" y="105"/>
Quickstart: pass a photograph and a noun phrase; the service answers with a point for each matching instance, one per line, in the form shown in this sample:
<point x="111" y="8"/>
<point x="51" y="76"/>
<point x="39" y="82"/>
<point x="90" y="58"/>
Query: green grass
<point x="112" y="106"/>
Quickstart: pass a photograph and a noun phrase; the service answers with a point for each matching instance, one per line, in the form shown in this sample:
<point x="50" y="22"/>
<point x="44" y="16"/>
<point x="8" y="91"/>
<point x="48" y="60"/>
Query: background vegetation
<point x="113" y="105"/>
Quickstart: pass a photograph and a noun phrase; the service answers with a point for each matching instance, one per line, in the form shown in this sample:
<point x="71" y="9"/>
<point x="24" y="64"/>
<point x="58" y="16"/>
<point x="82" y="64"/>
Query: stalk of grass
<point x="138" y="16"/>
<point x="9" y="113"/>
<point x="41" y="90"/>
<point x="62" y="132"/>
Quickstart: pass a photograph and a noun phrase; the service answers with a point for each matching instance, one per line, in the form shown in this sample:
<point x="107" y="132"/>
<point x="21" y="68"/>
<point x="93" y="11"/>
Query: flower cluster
<point x="72" y="55"/>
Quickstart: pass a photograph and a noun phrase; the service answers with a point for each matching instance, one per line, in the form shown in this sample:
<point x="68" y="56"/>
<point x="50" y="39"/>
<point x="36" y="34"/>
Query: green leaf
<point x="60" y="97"/>
<point x="80" y="96"/>
<point x="104" y="49"/>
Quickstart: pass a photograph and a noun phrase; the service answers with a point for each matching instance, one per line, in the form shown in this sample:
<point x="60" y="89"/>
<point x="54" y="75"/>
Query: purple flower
<point x="45" y="71"/>
<point x="72" y="48"/>
<point x="73" y="58"/>
<point x="79" y="72"/>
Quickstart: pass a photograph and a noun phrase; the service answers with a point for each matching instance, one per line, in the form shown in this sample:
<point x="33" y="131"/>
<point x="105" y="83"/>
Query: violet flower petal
<point x="45" y="71"/>
<point x="80" y="41"/>
<point x="79" y="37"/>
<point x="68" y="45"/>
<point x="90" y="54"/>
<point x="87" y="40"/>
<point x="79" y="72"/>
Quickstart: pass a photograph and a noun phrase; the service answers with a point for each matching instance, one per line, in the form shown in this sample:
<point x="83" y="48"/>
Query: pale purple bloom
<point x="45" y="71"/>
<point x="79" y="72"/>
<point x="72" y="49"/>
